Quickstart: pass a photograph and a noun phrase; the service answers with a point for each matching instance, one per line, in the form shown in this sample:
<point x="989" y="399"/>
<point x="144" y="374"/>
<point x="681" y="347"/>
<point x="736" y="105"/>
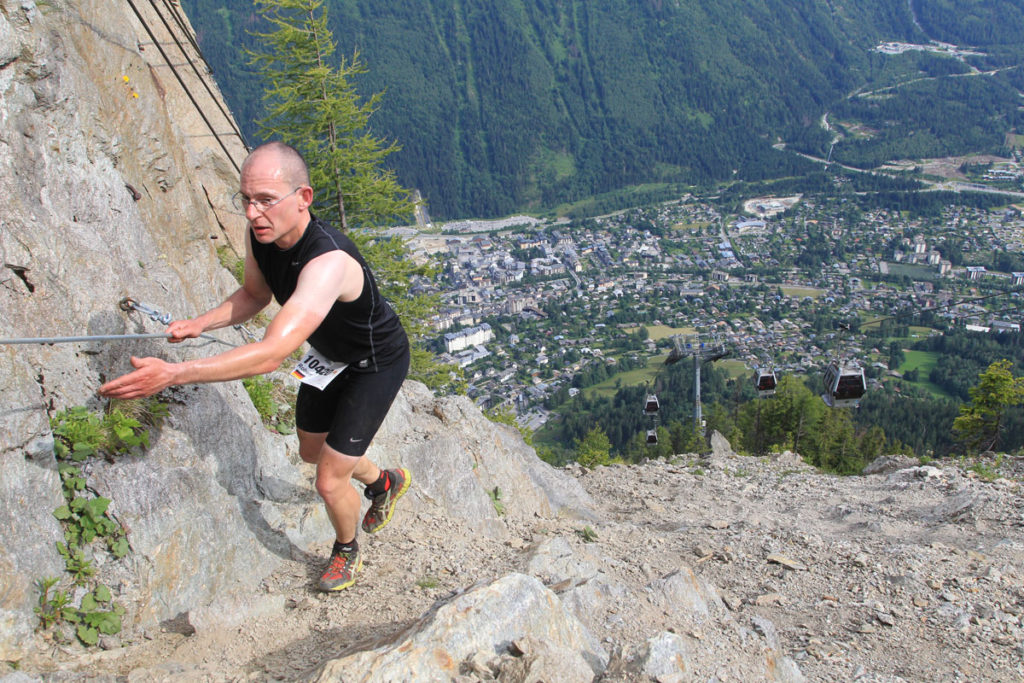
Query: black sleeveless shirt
<point x="364" y="329"/>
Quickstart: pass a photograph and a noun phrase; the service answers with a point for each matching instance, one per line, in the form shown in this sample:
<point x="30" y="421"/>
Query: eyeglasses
<point x="242" y="203"/>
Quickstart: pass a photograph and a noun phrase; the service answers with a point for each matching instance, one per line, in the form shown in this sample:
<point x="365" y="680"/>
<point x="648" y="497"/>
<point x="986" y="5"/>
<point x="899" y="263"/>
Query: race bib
<point x="316" y="370"/>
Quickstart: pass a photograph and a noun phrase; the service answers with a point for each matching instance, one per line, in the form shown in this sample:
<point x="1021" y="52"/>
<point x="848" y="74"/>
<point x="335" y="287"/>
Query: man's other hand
<point x="151" y="375"/>
<point x="181" y="330"/>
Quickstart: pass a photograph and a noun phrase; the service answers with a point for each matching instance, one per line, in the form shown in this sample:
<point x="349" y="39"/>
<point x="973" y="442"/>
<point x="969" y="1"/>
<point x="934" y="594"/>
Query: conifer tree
<point x="980" y="421"/>
<point x="311" y="103"/>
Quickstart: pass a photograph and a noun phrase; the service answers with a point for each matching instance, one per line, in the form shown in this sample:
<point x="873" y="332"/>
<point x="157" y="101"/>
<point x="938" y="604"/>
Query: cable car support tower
<point x="703" y="349"/>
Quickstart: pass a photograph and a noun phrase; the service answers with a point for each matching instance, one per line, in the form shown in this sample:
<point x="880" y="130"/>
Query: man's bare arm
<point x="320" y="284"/>
<point x="248" y="300"/>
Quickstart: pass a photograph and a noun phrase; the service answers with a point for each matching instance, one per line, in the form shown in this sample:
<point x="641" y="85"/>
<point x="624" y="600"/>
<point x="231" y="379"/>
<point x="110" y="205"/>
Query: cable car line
<point x="181" y="82"/>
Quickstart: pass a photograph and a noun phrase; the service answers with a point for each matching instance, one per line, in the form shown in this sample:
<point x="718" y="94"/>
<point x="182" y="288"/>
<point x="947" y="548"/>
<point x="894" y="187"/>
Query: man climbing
<point x="358" y="356"/>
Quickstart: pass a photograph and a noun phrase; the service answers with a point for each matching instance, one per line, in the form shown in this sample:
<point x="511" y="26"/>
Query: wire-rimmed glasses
<point x="242" y="203"/>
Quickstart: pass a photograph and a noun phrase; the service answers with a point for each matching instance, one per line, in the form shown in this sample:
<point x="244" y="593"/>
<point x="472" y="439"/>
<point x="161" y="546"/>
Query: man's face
<point x="274" y="209"/>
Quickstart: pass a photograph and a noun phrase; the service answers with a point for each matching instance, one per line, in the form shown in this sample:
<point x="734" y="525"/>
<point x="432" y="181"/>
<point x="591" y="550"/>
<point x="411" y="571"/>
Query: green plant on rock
<point x="80" y="434"/>
<point x="85" y="518"/>
<point x="76" y="563"/>
<point x="232" y="262"/>
<point x="77" y="433"/>
<point x="273" y="401"/>
<point x="98" y="613"/>
<point x="985" y="471"/>
<point x="260" y="390"/>
<point x="52" y="608"/>
<point x="495" y="496"/>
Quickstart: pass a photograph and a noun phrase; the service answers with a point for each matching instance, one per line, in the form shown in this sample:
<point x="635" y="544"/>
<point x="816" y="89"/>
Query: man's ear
<point x="305" y="197"/>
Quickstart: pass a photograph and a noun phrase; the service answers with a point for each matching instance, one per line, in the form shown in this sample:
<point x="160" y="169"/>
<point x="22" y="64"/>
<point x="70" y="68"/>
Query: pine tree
<point x="980" y="420"/>
<point x="311" y="104"/>
<point x="594" y="448"/>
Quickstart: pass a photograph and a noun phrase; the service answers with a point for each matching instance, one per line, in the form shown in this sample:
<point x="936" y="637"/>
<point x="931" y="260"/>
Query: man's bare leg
<point x="334" y="472"/>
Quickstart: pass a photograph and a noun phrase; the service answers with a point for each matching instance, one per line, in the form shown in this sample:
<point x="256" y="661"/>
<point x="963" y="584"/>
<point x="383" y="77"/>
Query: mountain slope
<point x="527" y="103"/>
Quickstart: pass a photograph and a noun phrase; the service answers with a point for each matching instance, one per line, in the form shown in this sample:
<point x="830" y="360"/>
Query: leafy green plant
<point x="273" y="401"/>
<point x="76" y="563"/>
<point x="51" y="607"/>
<point x="260" y="390"/>
<point x="495" y="495"/>
<point x="80" y="434"/>
<point x="85" y="518"/>
<point x="588" y="534"/>
<point x="98" y="613"/>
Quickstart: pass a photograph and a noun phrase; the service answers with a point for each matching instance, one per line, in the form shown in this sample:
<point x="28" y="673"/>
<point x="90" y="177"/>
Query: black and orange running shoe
<point x="382" y="506"/>
<point x="341" y="571"/>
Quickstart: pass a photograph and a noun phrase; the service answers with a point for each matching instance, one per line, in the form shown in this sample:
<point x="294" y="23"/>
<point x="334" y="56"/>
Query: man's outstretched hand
<point x="151" y="375"/>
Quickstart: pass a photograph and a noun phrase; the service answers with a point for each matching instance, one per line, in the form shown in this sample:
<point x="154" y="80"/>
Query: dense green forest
<point x="529" y="104"/>
<point x="893" y="418"/>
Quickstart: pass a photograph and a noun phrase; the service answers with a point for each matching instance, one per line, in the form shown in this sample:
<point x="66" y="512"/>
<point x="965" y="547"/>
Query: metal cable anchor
<point x="128" y="304"/>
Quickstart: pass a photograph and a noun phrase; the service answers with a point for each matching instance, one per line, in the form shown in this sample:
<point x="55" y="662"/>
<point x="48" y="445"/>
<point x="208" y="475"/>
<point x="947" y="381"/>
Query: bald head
<point x="291" y="166"/>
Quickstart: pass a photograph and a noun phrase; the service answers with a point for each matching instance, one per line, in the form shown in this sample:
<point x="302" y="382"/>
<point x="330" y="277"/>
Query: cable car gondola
<point x="766" y="382"/>
<point x="651" y="405"/>
<point x="652" y="437"/>
<point x="844" y="385"/>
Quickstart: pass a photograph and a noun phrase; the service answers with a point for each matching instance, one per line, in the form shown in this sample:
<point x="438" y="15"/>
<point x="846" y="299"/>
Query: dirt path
<point x="914" y="575"/>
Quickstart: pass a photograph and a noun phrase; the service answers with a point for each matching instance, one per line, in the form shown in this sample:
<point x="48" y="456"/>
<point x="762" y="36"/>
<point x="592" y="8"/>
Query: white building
<point x="463" y="339"/>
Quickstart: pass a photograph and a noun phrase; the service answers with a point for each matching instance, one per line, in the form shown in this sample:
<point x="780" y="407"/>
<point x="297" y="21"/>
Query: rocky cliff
<point x="118" y="162"/>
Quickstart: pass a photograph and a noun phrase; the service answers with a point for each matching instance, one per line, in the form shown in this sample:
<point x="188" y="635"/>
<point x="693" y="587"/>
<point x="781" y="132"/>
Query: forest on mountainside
<point x="528" y="104"/>
<point x="892" y="418"/>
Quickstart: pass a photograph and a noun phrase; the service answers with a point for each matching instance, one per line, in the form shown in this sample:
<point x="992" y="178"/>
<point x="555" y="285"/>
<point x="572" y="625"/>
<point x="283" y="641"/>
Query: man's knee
<point x="334" y="472"/>
<point x="328" y="485"/>
<point x="310" y="446"/>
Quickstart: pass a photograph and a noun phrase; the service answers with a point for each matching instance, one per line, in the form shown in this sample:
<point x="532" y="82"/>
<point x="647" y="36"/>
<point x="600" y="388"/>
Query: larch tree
<point x="980" y="420"/>
<point x="311" y="104"/>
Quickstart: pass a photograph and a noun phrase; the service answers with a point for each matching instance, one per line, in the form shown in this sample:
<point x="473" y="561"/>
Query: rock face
<point x="106" y="196"/>
<point x="500" y="567"/>
<point x="115" y="187"/>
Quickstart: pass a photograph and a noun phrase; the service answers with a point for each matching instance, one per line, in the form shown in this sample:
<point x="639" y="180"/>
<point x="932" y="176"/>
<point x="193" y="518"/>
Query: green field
<point x="735" y="368"/>
<point x="640" y="376"/>
<point x="801" y="292"/>
<point x="608" y="387"/>
<point x="657" y="332"/>
<point x="915" y="332"/>
<point x="924" y="362"/>
<point x="699" y="225"/>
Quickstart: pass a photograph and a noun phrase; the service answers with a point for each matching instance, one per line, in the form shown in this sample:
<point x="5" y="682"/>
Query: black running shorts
<point x="352" y="407"/>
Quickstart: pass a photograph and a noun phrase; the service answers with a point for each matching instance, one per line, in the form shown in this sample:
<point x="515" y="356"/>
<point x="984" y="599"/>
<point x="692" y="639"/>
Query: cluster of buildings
<point x="527" y="308"/>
